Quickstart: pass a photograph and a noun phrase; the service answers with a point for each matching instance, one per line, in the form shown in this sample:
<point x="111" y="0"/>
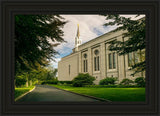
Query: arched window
<point x="112" y="60"/>
<point x="96" y="60"/>
<point x="85" y="63"/>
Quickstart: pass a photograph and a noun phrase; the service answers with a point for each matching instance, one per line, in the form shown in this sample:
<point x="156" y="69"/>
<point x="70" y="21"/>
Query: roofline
<point x="69" y="54"/>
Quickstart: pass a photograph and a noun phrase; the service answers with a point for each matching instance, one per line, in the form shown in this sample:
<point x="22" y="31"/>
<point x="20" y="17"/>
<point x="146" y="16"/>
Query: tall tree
<point x="134" y="38"/>
<point x="35" y="37"/>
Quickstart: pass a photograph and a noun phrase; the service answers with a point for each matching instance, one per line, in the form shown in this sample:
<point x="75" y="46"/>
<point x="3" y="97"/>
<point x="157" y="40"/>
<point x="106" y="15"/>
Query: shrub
<point x="20" y="81"/>
<point x="82" y="80"/>
<point x="65" y="82"/>
<point x="140" y="81"/>
<point x="126" y="82"/>
<point x="111" y="86"/>
<point x="108" y="81"/>
<point x="50" y="82"/>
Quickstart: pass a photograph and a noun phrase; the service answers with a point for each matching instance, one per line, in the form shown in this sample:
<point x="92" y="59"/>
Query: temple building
<point x="95" y="58"/>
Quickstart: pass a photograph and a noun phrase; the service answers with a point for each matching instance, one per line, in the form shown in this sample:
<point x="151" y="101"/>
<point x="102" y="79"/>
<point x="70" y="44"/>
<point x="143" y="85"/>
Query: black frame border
<point x="11" y="8"/>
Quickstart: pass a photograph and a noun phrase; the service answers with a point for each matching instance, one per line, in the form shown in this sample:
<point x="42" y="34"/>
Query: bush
<point x="108" y="81"/>
<point x="126" y="82"/>
<point x="140" y="81"/>
<point x="65" y="82"/>
<point x="111" y="86"/>
<point x="82" y="80"/>
<point x="50" y="82"/>
<point x="20" y="81"/>
<point x="101" y="86"/>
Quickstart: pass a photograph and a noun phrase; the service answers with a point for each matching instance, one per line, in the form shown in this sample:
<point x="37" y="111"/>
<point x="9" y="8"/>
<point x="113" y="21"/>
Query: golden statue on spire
<point x="78" y="34"/>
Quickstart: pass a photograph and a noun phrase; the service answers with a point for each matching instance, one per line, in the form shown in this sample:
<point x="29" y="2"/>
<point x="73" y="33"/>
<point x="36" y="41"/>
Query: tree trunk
<point x="30" y="82"/>
<point x="27" y="82"/>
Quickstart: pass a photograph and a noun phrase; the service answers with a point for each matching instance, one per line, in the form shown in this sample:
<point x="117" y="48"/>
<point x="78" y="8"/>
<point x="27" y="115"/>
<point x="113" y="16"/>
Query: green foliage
<point x="112" y="86"/>
<point x="54" y="72"/>
<point x="140" y="81"/>
<point x="65" y="82"/>
<point x="19" y="91"/>
<point x="35" y="37"/>
<point x="126" y="82"/>
<point x="108" y="81"/>
<point x="134" y="38"/>
<point x="42" y="74"/>
<point x="36" y="76"/>
<point x="55" y="81"/>
<point x="83" y="79"/>
<point x="20" y="81"/>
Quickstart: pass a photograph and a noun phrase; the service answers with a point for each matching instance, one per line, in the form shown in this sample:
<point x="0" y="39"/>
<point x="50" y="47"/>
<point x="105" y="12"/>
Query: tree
<point x="35" y="37"/>
<point x="54" y="72"/>
<point x="134" y="38"/>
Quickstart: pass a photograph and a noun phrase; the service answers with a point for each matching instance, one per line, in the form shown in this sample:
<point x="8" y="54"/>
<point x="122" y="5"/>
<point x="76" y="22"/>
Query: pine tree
<point x="35" y="39"/>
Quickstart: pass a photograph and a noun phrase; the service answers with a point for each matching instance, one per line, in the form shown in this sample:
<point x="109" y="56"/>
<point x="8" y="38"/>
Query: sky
<point x="90" y="27"/>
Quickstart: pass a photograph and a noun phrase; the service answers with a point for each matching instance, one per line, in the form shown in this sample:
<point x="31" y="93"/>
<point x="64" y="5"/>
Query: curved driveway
<point x="49" y="93"/>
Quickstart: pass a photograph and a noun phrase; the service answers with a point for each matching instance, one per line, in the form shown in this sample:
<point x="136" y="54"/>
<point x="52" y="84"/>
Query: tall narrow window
<point x="97" y="62"/>
<point x="95" y="67"/>
<point x="110" y="61"/>
<point x="69" y="69"/>
<point x="130" y="59"/>
<point x="114" y="61"/>
<point x="84" y="63"/>
<point x="86" y="66"/>
<point x="135" y="57"/>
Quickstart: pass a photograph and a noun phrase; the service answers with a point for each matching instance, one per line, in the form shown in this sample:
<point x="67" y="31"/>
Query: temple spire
<point x="77" y="40"/>
<point x="78" y="34"/>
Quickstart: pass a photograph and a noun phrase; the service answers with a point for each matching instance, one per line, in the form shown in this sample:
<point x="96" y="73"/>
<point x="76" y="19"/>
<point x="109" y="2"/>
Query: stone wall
<point x="64" y="72"/>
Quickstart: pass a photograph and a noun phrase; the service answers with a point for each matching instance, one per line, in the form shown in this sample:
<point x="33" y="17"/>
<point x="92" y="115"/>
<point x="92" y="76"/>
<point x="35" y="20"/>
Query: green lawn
<point x="19" y="91"/>
<point x="112" y="94"/>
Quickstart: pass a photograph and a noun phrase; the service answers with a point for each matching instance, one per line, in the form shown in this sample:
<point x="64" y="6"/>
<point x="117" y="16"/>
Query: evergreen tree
<point x="134" y="38"/>
<point x="35" y="37"/>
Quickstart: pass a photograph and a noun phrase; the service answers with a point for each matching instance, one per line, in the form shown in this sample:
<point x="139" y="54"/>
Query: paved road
<point x="49" y="93"/>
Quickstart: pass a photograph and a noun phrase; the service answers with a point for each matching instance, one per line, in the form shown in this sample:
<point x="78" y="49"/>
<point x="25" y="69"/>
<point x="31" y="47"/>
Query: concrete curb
<point x="24" y="94"/>
<point x="100" y="99"/>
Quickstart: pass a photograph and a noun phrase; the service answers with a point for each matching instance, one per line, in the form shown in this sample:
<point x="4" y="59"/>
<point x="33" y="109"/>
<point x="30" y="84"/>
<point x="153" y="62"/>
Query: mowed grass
<point x="112" y="94"/>
<point x="19" y="91"/>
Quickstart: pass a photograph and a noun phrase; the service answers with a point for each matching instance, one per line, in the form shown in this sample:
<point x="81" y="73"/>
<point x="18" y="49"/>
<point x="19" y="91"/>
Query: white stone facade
<point x="93" y="57"/>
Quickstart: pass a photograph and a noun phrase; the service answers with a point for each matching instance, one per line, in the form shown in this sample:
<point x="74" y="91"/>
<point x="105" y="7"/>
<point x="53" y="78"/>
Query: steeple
<point x="77" y="40"/>
<point x="78" y="34"/>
